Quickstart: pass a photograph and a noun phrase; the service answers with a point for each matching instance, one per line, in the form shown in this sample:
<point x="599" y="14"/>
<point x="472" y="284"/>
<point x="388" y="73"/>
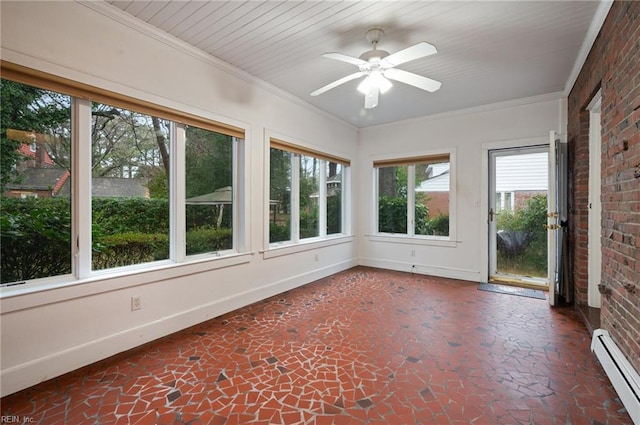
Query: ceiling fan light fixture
<point x="374" y="79"/>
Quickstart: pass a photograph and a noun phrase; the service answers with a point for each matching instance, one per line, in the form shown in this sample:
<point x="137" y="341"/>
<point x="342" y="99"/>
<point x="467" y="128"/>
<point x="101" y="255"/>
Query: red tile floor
<point x="364" y="346"/>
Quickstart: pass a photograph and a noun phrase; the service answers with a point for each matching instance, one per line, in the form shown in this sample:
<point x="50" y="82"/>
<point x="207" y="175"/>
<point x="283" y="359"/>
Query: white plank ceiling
<point x="487" y="51"/>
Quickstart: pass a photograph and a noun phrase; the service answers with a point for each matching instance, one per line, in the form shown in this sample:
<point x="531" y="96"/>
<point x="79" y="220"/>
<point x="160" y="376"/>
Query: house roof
<point x="114" y="187"/>
<point x="40" y="179"/>
<point x="25" y="149"/>
<point x="221" y="196"/>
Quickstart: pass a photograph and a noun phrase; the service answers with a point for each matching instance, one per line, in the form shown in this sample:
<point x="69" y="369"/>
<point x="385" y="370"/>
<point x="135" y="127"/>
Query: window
<point x="280" y="166"/>
<point x="309" y="196"/>
<point x="505" y="201"/>
<point x="129" y="191"/>
<point x="335" y="202"/>
<point x="413" y="196"/>
<point x="35" y="211"/>
<point x="150" y="183"/>
<point x="306" y="193"/>
<point x="209" y="191"/>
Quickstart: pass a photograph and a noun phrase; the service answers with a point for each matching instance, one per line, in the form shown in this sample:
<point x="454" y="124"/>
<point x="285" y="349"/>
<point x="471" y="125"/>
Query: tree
<point x="209" y="161"/>
<point x="280" y="178"/>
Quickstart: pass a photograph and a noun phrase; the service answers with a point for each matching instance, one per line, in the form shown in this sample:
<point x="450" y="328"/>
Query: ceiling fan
<point x="379" y="67"/>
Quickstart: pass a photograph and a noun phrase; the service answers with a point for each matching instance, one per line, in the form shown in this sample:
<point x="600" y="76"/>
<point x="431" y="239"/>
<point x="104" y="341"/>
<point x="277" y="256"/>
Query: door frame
<point x="594" y="241"/>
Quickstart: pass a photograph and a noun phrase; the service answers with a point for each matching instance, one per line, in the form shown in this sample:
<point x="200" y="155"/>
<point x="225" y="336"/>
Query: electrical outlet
<point x="136" y="303"/>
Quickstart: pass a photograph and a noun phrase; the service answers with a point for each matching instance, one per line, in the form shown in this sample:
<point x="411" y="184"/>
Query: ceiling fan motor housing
<point x="373" y="36"/>
<point x="375" y="53"/>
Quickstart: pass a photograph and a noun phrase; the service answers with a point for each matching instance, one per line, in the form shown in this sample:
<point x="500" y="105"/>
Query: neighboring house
<point x="435" y="189"/>
<point x="39" y="178"/>
<point x="520" y="177"/>
<point x="35" y="156"/>
<point x="40" y="183"/>
<point x="334" y="183"/>
<point x="51" y="182"/>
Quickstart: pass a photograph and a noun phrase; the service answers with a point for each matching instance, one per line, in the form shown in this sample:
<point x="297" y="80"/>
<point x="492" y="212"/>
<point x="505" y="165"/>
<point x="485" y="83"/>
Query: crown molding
<point x="123" y="18"/>
<point x="513" y="103"/>
<point x="590" y="38"/>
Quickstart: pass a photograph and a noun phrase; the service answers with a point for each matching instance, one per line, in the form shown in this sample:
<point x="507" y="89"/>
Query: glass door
<point x="518" y="216"/>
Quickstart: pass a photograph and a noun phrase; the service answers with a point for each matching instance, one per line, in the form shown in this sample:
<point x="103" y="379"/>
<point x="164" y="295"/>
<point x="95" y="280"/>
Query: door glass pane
<point x="309" y="205"/>
<point x="209" y="191"/>
<point x="392" y="199"/>
<point x="35" y="171"/>
<point x="521" y="213"/>
<point x="129" y="188"/>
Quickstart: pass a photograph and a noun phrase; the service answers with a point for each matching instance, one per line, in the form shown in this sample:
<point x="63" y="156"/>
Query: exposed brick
<point x="613" y="65"/>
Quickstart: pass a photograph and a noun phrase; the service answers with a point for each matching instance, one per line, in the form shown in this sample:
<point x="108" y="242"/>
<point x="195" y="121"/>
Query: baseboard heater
<point x="622" y="375"/>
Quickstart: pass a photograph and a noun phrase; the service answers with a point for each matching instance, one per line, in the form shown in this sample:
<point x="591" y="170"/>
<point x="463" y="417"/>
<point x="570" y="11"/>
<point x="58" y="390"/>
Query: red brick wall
<point x="613" y="65"/>
<point x="438" y="203"/>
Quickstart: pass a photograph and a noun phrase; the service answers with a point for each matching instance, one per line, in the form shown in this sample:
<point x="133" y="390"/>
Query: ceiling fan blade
<point x="337" y="83"/>
<point x="416" y="51"/>
<point x="371" y="98"/>
<point x="348" y="59"/>
<point x="412" y="79"/>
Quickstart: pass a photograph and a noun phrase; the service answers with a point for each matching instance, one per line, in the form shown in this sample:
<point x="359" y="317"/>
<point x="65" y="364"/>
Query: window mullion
<point x="411" y="200"/>
<point x="81" y="184"/>
<point x="322" y="199"/>
<point x="239" y="242"/>
<point x="295" y="198"/>
<point x="177" y="213"/>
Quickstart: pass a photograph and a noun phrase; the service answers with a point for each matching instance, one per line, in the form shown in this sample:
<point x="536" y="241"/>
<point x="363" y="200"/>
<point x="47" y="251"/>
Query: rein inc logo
<point x="7" y="419"/>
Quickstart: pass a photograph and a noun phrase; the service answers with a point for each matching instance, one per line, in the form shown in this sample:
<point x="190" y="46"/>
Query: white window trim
<point x="375" y="235"/>
<point x="295" y="244"/>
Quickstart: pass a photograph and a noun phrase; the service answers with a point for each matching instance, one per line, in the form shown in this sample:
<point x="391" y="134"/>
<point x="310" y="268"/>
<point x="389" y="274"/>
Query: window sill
<point x="305" y="245"/>
<point x="415" y="240"/>
<point x="33" y="294"/>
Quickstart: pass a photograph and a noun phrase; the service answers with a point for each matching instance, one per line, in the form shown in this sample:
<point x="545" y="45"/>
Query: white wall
<point x="467" y="135"/>
<point x="50" y="332"/>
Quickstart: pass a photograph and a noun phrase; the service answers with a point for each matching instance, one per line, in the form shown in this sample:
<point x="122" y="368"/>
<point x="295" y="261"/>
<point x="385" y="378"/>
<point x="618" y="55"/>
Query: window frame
<point x="81" y="98"/>
<point x="411" y="160"/>
<point x="295" y="243"/>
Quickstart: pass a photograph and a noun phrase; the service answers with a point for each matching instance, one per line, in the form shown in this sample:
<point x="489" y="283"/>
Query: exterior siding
<point x="613" y="65"/>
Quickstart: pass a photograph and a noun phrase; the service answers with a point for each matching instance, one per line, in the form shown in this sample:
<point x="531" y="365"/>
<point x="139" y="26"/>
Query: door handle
<point x="491" y="214"/>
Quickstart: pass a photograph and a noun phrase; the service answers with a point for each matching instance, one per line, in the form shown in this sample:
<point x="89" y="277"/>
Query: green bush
<point x="35" y="238"/>
<point x="440" y="225"/>
<point x="208" y="239"/>
<point x="129" y="248"/>
<point x="392" y="216"/>
<point x="531" y="258"/>
<point x="112" y="216"/>
<point x="279" y="232"/>
<point x="530" y="218"/>
<point x="36" y="235"/>
<point x="309" y="224"/>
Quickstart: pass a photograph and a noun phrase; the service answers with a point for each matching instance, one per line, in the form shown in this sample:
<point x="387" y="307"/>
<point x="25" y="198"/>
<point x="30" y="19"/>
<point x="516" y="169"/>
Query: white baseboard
<point x="448" y="272"/>
<point x="623" y="376"/>
<point x="27" y="374"/>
